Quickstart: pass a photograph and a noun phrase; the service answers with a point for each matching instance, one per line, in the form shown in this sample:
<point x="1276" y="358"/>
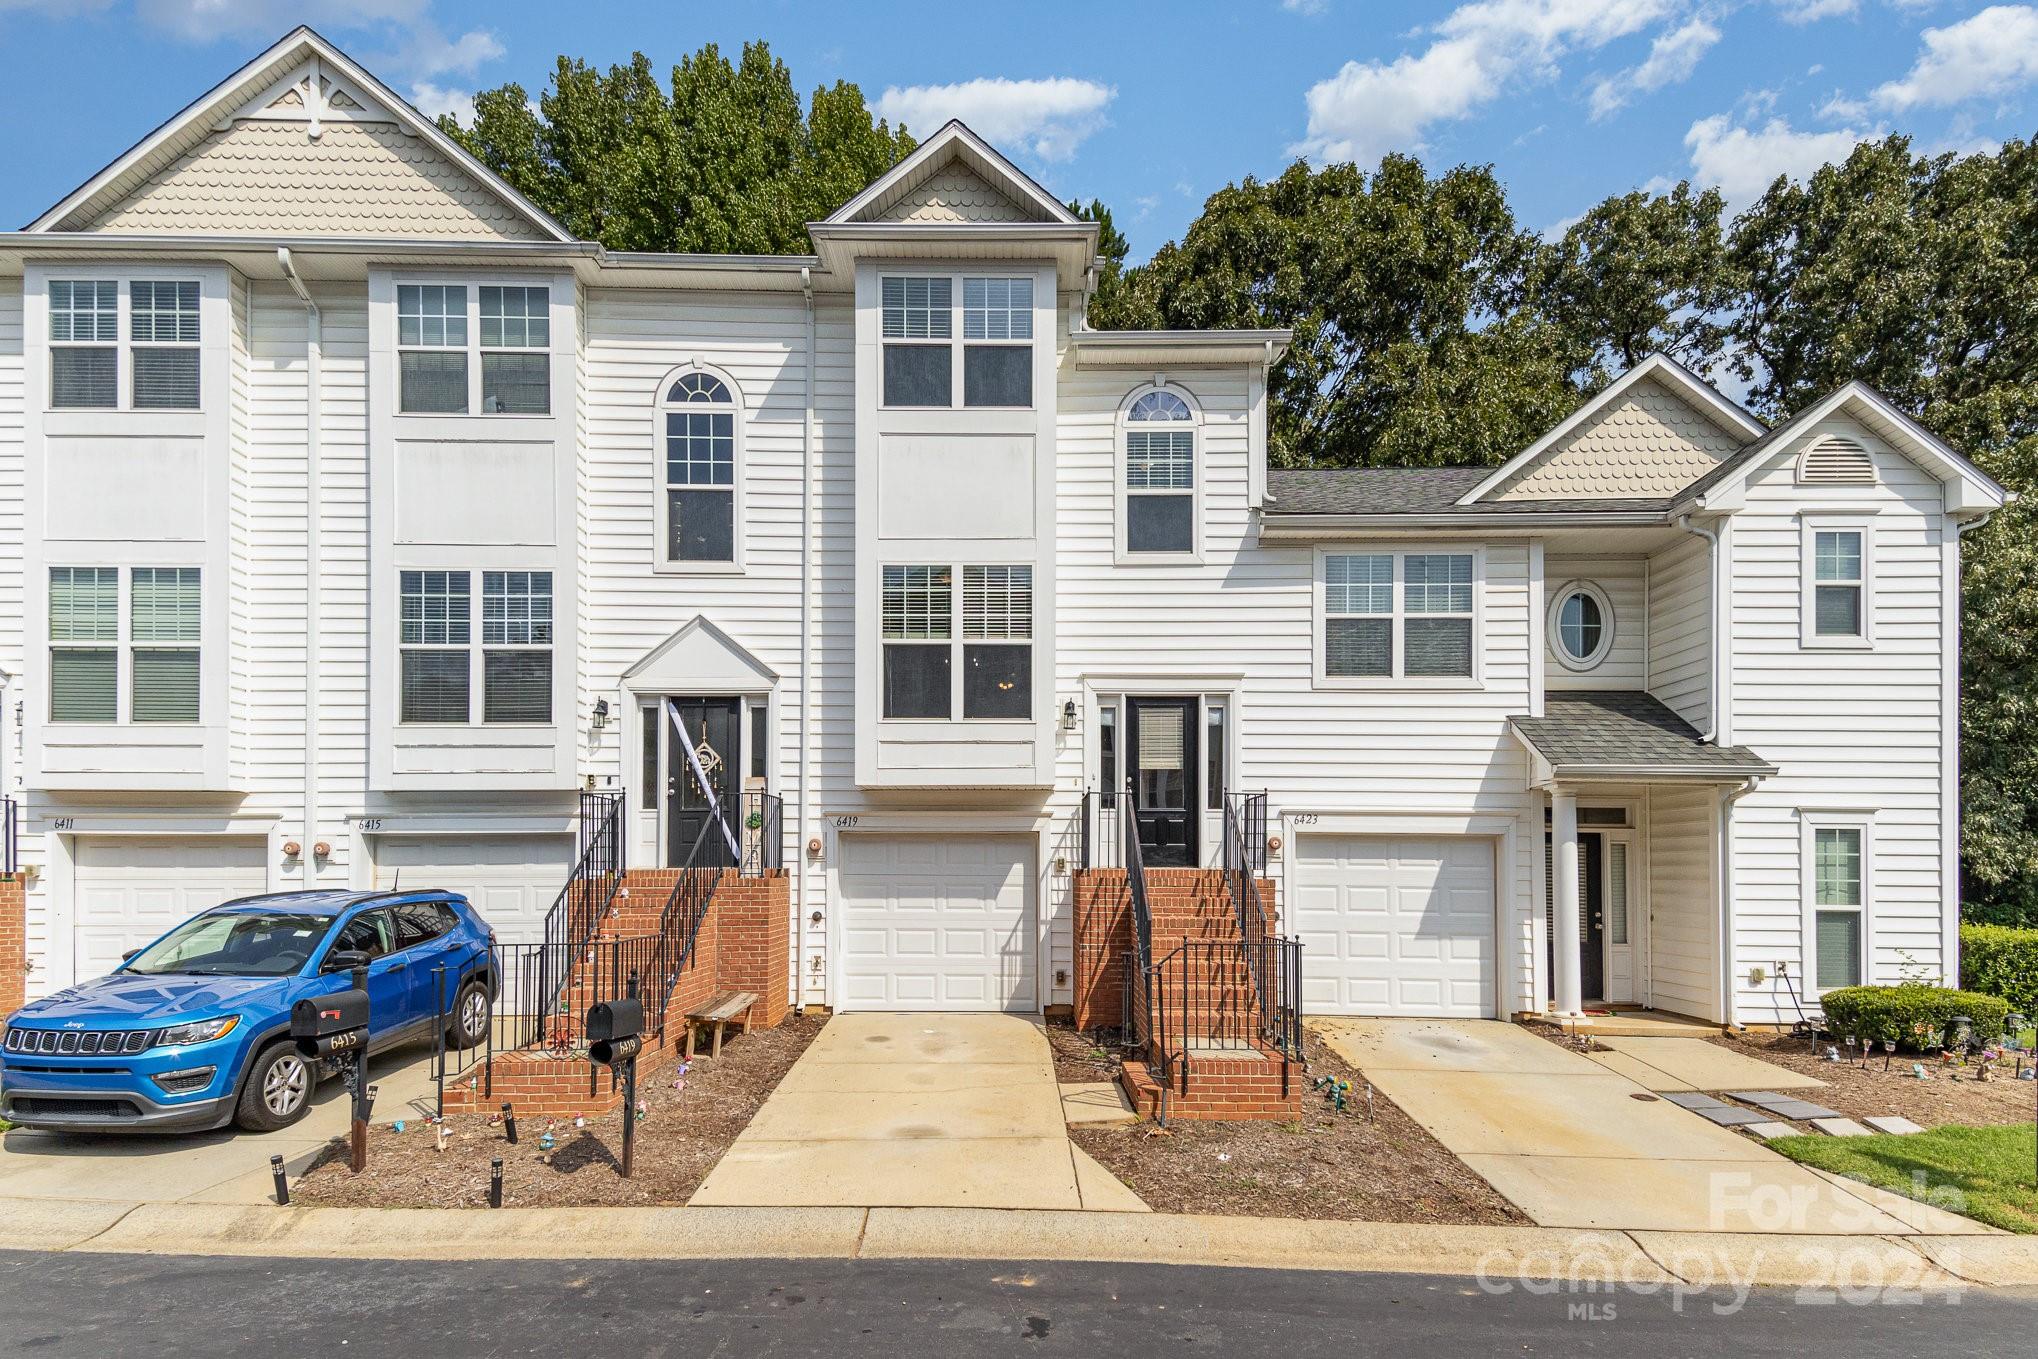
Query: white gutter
<point x="806" y="653"/>
<point x="314" y="401"/>
<point x="1716" y="602"/>
<point x="1307" y="526"/>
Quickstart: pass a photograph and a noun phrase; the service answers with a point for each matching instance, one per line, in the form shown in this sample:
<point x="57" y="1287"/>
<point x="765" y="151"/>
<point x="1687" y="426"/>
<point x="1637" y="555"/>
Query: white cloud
<point x="1743" y="161"/>
<point x="433" y="100"/>
<point x="1048" y="118"/>
<point x="1372" y="107"/>
<point x="1305" y="6"/>
<point x="1811" y="11"/>
<point x="1988" y="54"/>
<point x="1673" y="56"/>
<point x="210" y="20"/>
<point x="1841" y="109"/>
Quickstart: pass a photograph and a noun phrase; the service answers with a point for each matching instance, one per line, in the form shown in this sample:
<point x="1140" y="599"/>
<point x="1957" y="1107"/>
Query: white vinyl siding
<point x="1679" y="651"/>
<point x="1683" y="962"/>
<point x="1625" y="584"/>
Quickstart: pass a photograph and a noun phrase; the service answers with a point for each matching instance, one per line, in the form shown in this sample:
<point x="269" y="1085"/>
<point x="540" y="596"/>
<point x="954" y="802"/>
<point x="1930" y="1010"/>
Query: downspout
<point x="1730" y="1013"/>
<point x="1949" y="774"/>
<point x="806" y="652"/>
<point x="1715" y="694"/>
<point x="314" y="356"/>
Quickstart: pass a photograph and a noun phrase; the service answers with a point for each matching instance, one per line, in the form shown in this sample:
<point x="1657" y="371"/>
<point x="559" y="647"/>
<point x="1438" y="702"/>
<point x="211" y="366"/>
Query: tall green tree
<point x="721" y="158"/>
<point x="1405" y="293"/>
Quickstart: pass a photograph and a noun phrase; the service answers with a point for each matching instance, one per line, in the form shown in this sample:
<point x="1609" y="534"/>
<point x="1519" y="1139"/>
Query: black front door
<point x="1160" y="757"/>
<point x="1591" y="913"/>
<point x="714" y="733"/>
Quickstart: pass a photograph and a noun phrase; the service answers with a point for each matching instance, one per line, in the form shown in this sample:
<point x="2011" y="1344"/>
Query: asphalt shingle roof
<point x="1413" y="490"/>
<point x="1626" y="730"/>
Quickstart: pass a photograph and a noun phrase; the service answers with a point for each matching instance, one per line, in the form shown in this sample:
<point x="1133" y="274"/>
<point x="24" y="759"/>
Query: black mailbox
<point x="612" y="1031"/>
<point x="329" y="1025"/>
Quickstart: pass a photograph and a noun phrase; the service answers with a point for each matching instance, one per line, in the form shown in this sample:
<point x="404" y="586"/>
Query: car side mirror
<point x="129" y="956"/>
<point x="344" y="960"/>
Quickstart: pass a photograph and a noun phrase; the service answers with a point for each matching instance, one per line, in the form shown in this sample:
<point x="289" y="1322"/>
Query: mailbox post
<point x="614" y="1038"/>
<point x="336" y="1026"/>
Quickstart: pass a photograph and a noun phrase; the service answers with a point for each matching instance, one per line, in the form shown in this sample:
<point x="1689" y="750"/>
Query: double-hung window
<point x="163" y="328"/>
<point x="163" y="622"/>
<point x="84" y="344"/>
<point x="918" y="610"/>
<point x="699" y="460"/>
<point x="1160" y="475"/>
<point x="1837" y="575"/>
<point x="516" y="345"/>
<point x="1838" y="872"/>
<point x="918" y="326"/>
<point x="161" y="641"/>
<point x="84" y="644"/>
<point x="516" y="646"/>
<point x="435" y="632"/>
<point x="431" y="348"/>
<point x="997" y="637"/>
<point x="1409" y="615"/>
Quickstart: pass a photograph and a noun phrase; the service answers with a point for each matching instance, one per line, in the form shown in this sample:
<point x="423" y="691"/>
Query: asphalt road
<point x="94" y="1306"/>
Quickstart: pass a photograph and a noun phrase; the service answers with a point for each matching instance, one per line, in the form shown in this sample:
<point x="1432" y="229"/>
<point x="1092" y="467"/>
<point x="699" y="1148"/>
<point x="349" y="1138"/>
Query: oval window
<point x="1581" y="626"/>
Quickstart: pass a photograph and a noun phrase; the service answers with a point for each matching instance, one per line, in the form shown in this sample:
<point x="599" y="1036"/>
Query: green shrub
<point x="1998" y="961"/>
<point x="1880" y="1012"/>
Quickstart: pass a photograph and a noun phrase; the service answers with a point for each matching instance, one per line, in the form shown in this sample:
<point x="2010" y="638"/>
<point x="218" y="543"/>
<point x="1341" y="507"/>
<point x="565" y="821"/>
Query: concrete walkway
<point x="916" y="1111"/>
<point x="1574" y="1144"/>
<point x="228" y="1166"/>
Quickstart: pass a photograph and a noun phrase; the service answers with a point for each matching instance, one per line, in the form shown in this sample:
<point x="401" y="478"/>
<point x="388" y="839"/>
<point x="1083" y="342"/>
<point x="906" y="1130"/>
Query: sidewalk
<point x="1638" y="1260"/>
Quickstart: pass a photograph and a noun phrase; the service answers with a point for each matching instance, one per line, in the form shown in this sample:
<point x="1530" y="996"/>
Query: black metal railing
<point x="1241" y="872"/>
<point x="1134" y="859"/>
<point x="1143" y="1021"/>
<point x="596" y="876"/>
<point x="1100" y="844"/>
<point x="1249" y="812"/>
<point x="10" y="836"/>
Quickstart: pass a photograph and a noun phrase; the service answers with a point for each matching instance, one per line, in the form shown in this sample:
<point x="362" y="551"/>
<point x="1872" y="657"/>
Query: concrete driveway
<point x="229" y="1166"/>
<point x="1573" y="1144"/>
<point x="916" y="1111"/>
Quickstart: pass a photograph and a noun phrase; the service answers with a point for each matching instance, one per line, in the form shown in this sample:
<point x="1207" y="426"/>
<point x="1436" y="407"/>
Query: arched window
<point x="699" y="462"/>
<point x="1159" y="492"/>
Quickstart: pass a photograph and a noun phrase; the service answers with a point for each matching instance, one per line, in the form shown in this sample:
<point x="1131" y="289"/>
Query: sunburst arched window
<point x="699" y="463"/>
<point x="1159" y="483"/>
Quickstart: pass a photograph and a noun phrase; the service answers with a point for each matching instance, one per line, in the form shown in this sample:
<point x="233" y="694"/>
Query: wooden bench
<point x="725" y="1009"/>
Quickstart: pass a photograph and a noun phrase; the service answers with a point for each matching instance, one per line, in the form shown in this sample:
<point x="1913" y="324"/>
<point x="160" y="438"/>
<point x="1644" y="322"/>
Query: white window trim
<point x="1321" y="679"/>
<point x="1810" y="822"/>
<point x="958" y="650"/>
<point x="1810" y="526"/>
<point x="1554" y="619"/>
<point x="211" y="345"/>
<point x="955" y="341"/>
<point x="661" y="510"/>
<point x="124" y="645"/>
<point x="476" y="649"/>
<point x="1121" y="554"/>
<point x="474" y="284"/>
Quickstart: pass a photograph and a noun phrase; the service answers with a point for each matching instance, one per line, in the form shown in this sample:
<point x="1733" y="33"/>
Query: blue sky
<point x="1150" y="106"/>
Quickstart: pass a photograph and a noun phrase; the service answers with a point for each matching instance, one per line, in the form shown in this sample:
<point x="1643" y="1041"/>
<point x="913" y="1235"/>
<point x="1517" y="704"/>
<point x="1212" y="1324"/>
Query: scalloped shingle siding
<point x="956" y="195"/>
<point x="357" y="179"/>
<point x="1649" y="443"/>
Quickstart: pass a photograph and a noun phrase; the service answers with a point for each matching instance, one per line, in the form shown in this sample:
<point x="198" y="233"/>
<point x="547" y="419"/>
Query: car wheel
<point x="278" y="1089"/>
<point x="470" y="1015"/>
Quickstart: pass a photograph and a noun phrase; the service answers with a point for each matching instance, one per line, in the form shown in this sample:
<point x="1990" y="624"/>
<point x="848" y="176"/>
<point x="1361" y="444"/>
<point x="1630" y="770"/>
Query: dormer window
<point x="923" y="364"/>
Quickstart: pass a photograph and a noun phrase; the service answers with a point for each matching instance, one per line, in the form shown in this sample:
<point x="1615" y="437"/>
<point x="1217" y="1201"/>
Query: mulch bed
<point x="1951" y="1096"/>
<point x="1330" y="1165"/>
<point x="678" y="1143"/>
<point x="1078" y="1057"/>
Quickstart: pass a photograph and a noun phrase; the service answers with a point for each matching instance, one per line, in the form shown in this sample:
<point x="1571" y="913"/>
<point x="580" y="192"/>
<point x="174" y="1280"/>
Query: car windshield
<point x="234" y="944"/>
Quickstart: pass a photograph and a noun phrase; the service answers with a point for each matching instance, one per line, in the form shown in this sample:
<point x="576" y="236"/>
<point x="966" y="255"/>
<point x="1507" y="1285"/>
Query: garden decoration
<point x="1959" y="1031"/>
<point x="441" y="1135"/>
<point x="545" y="1142"/>
<point x="282" y="1181"/>
<point x="1984" y="1063"/>
<point x="1888" y="1052"/>
<point x="397" y="1126"/>
<point x="495" y="1182"/>
<point x="1918" y="1070"/>
<point x="509" y="1122"/>
<point x="1833" y="1053"/>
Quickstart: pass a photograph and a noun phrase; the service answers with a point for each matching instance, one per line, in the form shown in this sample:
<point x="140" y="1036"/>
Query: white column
<point x="1565" y="995"/>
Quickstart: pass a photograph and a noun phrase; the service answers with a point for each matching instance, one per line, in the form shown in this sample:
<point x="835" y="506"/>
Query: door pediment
<point x="700" y="659"/>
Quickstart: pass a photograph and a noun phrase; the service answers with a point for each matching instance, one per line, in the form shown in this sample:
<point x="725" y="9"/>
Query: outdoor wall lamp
<point x="601" y="713"/>
<point x="1068" y="715"/>
<point x="291" y="849"/>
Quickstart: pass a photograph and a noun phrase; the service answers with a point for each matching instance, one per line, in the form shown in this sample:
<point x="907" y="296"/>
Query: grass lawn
<point x="1985" y="1173"/>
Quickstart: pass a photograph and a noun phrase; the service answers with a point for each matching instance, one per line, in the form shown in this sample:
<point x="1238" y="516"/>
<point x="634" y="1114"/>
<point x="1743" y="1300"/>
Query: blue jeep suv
<point x="192" y="1032"/>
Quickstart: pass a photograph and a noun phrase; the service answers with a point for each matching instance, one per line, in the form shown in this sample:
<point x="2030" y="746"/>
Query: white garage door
<point x="938" y="922"/>
<point x="1395" y="926"/>
<point x="511" y="879"/>
<point x="127" y="890"/>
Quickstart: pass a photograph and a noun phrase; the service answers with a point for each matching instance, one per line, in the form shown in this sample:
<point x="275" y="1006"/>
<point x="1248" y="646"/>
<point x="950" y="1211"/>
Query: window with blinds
<point x="431" y="348"/>
<point x="1160" y="474"/>
<point x="163" y="626"/>
<point x="1838" y="901"/>
<point x="1837" y="583"/>
<point x="84" y="344"/>
<point x="1617" y="891"/>
<point x="918" y="325"/>
<point x="435" y="632"/>
<point x="84" y="627"/>
<point x="700" y="470"/>
<point x="1423" y="630"/>
<point x="516" y="362"/>
<point x="997" y="333"/>
<point x="163" y="328"/>
<point x="997" y="629"/>
<point x="516" y="641"/>
<point x="917" y="625"/>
